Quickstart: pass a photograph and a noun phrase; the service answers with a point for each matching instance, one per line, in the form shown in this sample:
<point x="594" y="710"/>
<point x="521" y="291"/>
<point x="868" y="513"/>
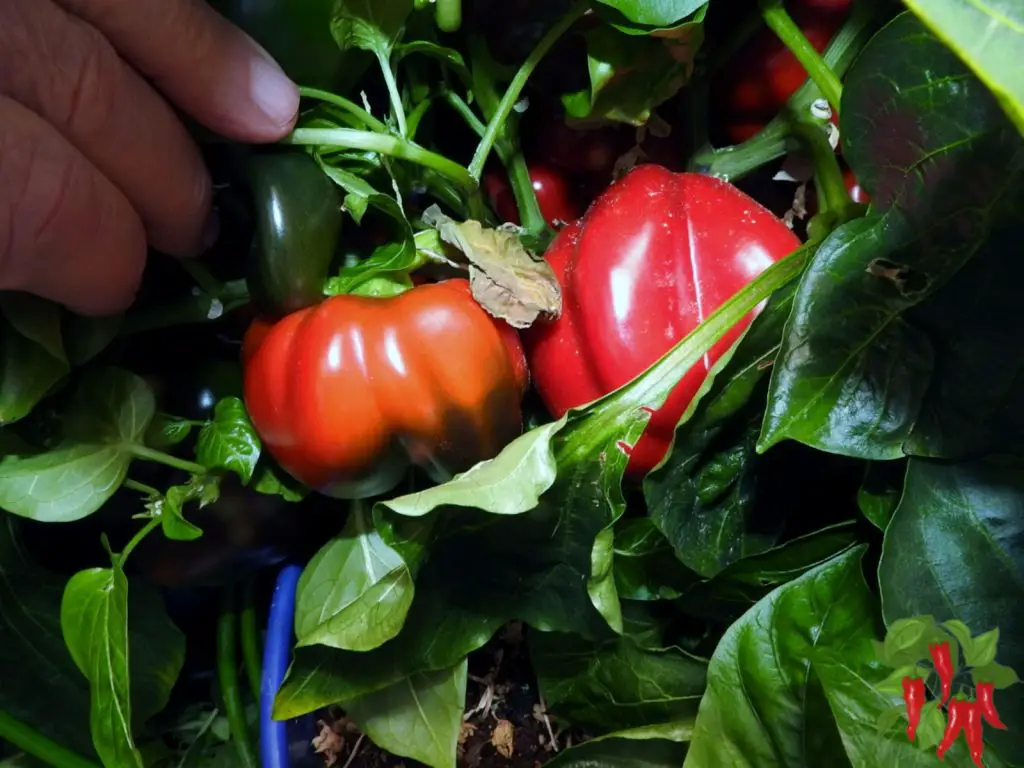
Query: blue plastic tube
<point x="274" y="751"/>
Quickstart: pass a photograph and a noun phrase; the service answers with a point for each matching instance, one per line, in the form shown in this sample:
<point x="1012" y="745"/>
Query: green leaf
<point x="792" y="682"/>
<point x="166" y="431"/>
<point x="356" y="591"/>
<point x="880" y="491"/>
<point x="369" y="25"/>
<point x="962" y="633"/>
<point x="855" y="364"/>
<point x="392" y="261"/>
<point x="171" y="508"/>
<point x="94" y="618"/>
<point x="33" y="656"/>
<point x="229" y="441"/>
<point x="645" y="565"/>
<point x="446" y="56"/>
<point x="909" y="635"/>
<point x="893" y="684"/>
<point x="28" y="372"/>
<point x="613" y="684"/>
<point x="37" y="319"/>
<point x="655" y="13"/>
<point x="109" y="413"/>
<point x="85" y="337"/>
<point x="931" y="726"/>
<point x="419" y="717"/>
<point x="952" y="514"/>
<point x="995" y="673"/>
<point x="734" y="590"/>
<point x="989" y="38"/>
<point x="630" y="75"/>
<point x="702" y="497"/>
<point x="983" y="649"/>
<point x="652" y="747"/>
<point x="439" y="632"/>
<point x="271" y="480"/>
<point x="360" y="195"/>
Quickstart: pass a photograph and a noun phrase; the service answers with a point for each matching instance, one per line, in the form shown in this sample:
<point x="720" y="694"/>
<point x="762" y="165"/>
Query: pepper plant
<point x="833" y="384"/>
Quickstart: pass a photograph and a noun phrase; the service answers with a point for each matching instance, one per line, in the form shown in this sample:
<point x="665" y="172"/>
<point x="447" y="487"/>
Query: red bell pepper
<point x="655" y="254"/>
<point x="346" y="395"/>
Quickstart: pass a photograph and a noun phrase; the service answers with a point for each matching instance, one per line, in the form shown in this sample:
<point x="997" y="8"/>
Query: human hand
<point x="94" y="162"/>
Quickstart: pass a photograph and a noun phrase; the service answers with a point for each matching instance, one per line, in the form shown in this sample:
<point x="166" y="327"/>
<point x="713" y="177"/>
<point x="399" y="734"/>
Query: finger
<point x="66" y="233"/>
<point x="204" y="64"/>
<point x="68" y="74"/>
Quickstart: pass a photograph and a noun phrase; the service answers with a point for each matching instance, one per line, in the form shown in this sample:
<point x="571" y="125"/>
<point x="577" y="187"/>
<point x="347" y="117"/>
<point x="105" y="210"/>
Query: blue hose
<point x="274" y="752"/>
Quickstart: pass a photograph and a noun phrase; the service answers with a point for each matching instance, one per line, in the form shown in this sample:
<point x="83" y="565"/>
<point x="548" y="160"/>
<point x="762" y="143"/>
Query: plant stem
<point x="252" y="655"/>
<point x="209" y="284"/>
<point x="188" y="310"/>
<point x="34" y="743"/>
<point x="515" y="88"/>
<point x="530" y="217"/>
<point x="151" y="454"/>
<point x="145" y="490"/>
<point x="341" y="102"/>
<point x="792" y="37"/>
<point x="142" y="533"/>
<point x="416" y="116"/>
<point x="227" y="674"/>
<point x="348" y="138"/>
<point x="394" y="94"/>
<point x="828" y="176"/>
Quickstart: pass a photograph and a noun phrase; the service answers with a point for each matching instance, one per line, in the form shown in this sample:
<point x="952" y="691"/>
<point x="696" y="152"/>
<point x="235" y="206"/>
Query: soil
<point x="505" y="724"/>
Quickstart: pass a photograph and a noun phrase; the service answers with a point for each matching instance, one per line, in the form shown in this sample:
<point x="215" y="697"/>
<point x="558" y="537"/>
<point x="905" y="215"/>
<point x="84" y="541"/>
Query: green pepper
<point x="298" y="212"/>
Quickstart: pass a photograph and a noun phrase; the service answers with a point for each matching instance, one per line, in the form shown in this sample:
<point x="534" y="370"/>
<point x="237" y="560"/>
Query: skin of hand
<point x="94" y="162"/>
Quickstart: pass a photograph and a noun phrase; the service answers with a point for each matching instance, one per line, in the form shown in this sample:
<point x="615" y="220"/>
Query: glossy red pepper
<point x="761" y="77"/>
<point x="348" y="394"/>
<point x="943" y="661"/>
<point x="987" y="705"/>
<point x="913" y="697"/>
<point x="958" y="713"/>
<point x="654" y="255"/>
<point x="857" y="193"/>
<point x="554" y="196"/>
<point x="974" y="733"/>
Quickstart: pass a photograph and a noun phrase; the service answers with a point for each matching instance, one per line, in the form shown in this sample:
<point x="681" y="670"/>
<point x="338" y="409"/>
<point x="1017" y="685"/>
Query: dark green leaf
<point x="880" y="492"/>
<point x="655" y="13"/>
<point x="954" y="514"/>
<point x="108" y="415"/>
<point x="28" y="372"/>
<point x="855" y="365"/>
<point x="988" y="37"/>
<point x="166" y="431"/>
<point x="729" y="594"/>
<point x="614" y="684"/>
<point x="86" y="337"/>
<point x="157" y="649"/>
<point x="792" y="682"/>
<point x="41" y="685"/>
<point x="271" y="480"/>
<point x="702" y="497"/>
<point x="94" y="618"/>
<point x="419" y="717"/>
<point x="229" y="442"/>
<point x="356" y="591"/>
<point x="654" y="747"/>
<point x="646" y="568"/>
<point x="439" y="632"/>
<point x="630" y="75"/>
<point x="38" y="320"/>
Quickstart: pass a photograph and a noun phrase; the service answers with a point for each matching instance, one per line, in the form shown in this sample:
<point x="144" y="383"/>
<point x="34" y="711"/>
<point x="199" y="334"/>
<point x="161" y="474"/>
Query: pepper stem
<point x="796" y="41"/>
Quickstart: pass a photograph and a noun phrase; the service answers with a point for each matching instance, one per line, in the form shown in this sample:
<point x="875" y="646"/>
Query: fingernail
<point x="212" y="230"/>
<point x="275" y="95"/>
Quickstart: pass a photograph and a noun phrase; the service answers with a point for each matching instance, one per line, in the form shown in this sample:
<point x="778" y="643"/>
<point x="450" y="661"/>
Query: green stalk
<point x="135" y="485"/>
<point x="142" y="533"/>
<point x="188" y="310"/>
<point x="393" y="94"/>
<point x="151" y="454"/>
<point x="348" y="138"/>
<point x="36" y="744"/>
<point x="530" y="217"/>
<point x="341" y="102"/>
<point x="252" y="655"/>
<point x="227" y="674"/>
<point x="828" y="176"/>
<point x="206" y="282"/>
<point x="792" y="37"/>
<point x="515" y="88"/>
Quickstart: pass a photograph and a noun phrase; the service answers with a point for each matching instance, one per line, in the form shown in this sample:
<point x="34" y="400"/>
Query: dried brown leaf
<point x="503" y="738"/>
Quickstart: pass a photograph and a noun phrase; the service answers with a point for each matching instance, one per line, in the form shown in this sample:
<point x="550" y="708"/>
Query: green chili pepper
<point x="298" y="225"/>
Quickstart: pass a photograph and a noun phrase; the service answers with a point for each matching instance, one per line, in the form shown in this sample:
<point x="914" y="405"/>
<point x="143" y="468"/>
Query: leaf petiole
<point x="142" y="533"/>
<point x="393" y="93"/>
<point x="341" y="102"/>
<point x="780" y="22"/>
<point x="515" y="88"/>
<point x="151" y="454"/>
